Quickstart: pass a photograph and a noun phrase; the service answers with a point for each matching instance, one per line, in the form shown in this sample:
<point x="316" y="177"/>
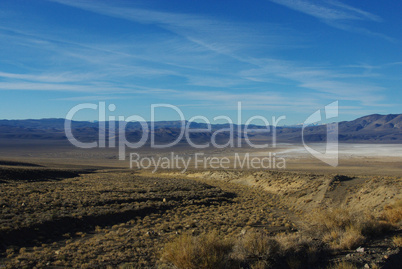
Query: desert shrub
<point x="393" y="213"/>
<point x="347" y="238"/>
<point x="256" y="245"/>
<point x="342" y="265"/>
<point x="335" y="218"/>
<point x="203" y="252"/>
<point x="371" y="225"/>
<point x="299" y="251"/>
<point x="397" y="241"/>
<point x="338" y="228"/>
<point x="255" y="250"/>
<point x="259" y="250"/>
<point x="128" y="266"/>
<point x="350" y="238"/>
<point x="342" y="229"/>
<point x="260" y="264"/>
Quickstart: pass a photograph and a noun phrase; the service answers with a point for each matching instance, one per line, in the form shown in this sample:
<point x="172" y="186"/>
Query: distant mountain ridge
<point x="368" y="129"/>
<point x="58" y="124"/>
<point x="374" y="122"/>
<point x="375" y="127"/>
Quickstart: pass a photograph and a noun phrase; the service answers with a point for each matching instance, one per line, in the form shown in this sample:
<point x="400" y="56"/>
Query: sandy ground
<point x="369" y="159"/>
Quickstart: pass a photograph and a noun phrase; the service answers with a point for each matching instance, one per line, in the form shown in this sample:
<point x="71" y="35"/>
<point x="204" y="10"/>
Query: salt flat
<point x="345" y="150"/>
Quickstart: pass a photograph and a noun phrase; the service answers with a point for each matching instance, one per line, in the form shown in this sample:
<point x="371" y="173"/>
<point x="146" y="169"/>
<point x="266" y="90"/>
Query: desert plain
<point x="63" y="207"/>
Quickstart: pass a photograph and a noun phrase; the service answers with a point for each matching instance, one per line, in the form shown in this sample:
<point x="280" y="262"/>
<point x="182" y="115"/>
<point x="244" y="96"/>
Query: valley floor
<point x="93" y="212"/>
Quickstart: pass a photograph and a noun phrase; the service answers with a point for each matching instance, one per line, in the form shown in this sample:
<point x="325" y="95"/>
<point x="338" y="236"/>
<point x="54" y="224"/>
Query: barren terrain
<point x="72" y="208"/>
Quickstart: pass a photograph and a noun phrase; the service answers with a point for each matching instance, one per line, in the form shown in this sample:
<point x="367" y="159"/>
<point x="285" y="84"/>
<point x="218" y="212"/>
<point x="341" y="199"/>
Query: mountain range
<point x="368" y="129"/>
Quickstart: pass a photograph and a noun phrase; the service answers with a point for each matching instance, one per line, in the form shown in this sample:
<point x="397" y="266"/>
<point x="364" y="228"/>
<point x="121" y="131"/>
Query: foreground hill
<point x="116" y="218"/>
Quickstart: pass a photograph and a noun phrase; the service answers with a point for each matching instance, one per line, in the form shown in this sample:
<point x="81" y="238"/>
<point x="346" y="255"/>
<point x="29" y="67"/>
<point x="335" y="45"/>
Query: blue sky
<point x="278" y="57"/>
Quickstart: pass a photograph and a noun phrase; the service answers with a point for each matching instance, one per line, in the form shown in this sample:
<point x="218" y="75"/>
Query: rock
<point x="152" y="233"/>
<point x="360" y="250"/>
<point x="164" y="200"/>
<point x="366" y="265"/>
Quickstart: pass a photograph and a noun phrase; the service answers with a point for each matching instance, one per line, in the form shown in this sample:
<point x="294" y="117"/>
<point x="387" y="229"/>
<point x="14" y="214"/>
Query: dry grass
<point x="342" y="229"/>
<point x="397" y="240"/>
<point x="350" y="238"/>
<point x="372" y="225"/>
<point x="393" y="213"/>
<point x="337" y="227"/>
<point x="122" y="218"/>
<point x="252" y="250"/>
<point x="256" y="246"/>
<point x="333" y="218"/>
<point x="103" y="218"/>
<point x="342" y="265"/>
<point x="201" y="252"/>
<point x="299" y="250"/>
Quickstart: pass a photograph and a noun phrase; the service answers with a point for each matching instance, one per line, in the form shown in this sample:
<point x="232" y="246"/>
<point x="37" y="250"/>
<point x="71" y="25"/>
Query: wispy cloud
<point x="48" y="78"/>
<point x="94" y="87"/>
<point x="31" y="86"/>
<point x="328" y="10"/>
<point x="213" y="61"/>
<point x="230" y="39"/>
<point x="320" y="79"/>
<point x="223" y="37"/>
<point x="335" y="14"/>
<point x="92" y="98"/>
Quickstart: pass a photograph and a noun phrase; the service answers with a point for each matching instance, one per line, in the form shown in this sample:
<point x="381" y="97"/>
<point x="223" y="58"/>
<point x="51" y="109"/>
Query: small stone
<point x="366" y="266"/>
<point x="360" y="250"/>
<point x="164" y="200"/>
<point x="386" y="257"/>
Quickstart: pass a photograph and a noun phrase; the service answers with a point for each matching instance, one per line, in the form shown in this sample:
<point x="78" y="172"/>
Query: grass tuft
<point x="203" y="252"/>
<point x="397" y="240"/>
<point x="393" y="213"/>
<point x="256" y="245"/>
<point x="342" y="265"/>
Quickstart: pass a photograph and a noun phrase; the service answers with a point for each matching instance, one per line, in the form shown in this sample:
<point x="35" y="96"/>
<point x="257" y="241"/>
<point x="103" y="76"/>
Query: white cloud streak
<point x="328" y="10"/>
<point x="210" y="45"/>
<point x="336" y="14"/>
